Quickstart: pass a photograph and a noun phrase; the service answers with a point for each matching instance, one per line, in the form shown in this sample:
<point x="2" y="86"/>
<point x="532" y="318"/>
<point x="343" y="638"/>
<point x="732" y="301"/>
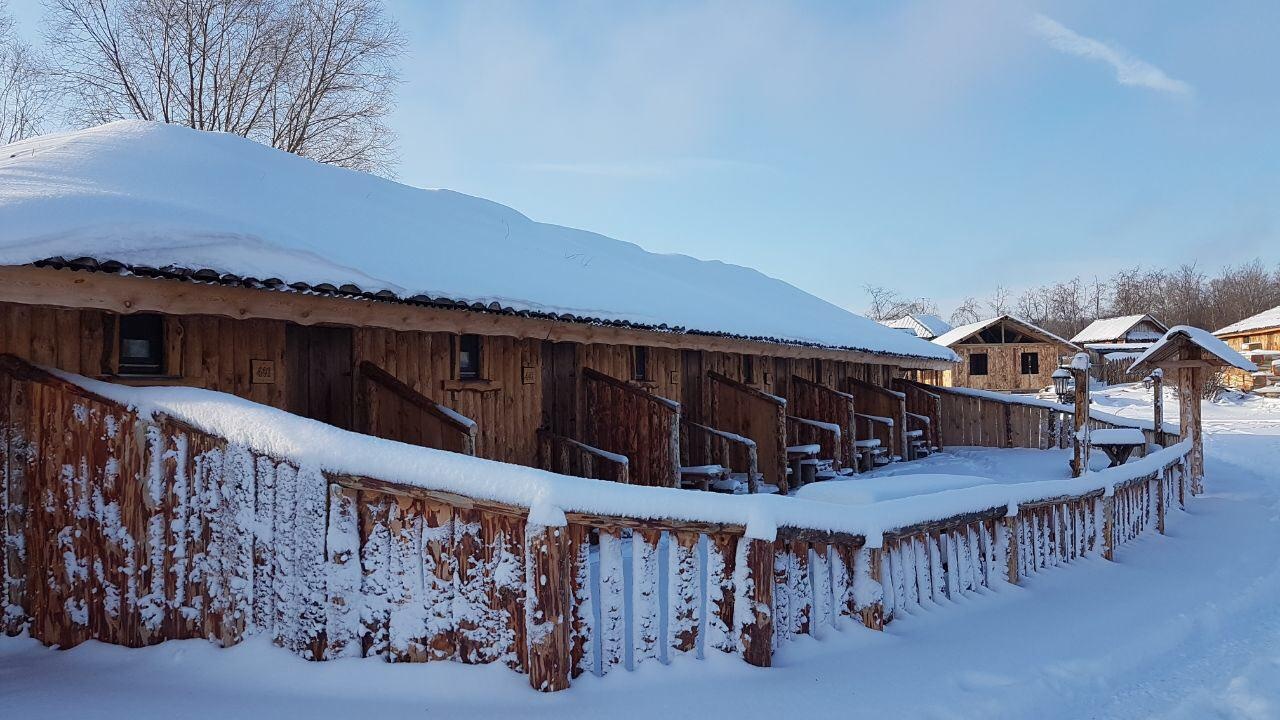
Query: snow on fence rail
<point x="132" y="525"/>
<point x="991" y="419"/>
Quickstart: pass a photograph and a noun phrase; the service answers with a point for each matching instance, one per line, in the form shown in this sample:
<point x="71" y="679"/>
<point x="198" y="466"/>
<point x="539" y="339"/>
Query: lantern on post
<point x="1062" y="385"/>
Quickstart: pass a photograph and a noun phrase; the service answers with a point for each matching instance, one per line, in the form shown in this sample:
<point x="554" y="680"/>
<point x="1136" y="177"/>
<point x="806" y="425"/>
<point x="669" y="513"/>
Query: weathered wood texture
<point x="1004" y="366"/>
<point x="149" y="530"/>
<point x="627" y="420"/>
<point x="393" y="410"/>
<point x="968" y="420"/>
<point x="704" y="445"/>
<point x="567" y="456"/>
<point x="744" y="410"/>
<point x="813" y="401"/>
<point x="923" y="401"/>
<point x="880" y="402"/>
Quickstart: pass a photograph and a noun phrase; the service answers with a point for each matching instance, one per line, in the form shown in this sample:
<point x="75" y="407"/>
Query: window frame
<point x="476" y="372"/>
<point x="749" y="369"/>
<point x="159" y="364"/>
<point x="1035" y="361"/>
<point x="986" y="364"/>
<point x="640" y="363"/>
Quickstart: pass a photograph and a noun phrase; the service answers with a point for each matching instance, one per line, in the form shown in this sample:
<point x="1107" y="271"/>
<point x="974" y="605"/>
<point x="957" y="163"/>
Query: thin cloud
<point x="1129" y="70"/>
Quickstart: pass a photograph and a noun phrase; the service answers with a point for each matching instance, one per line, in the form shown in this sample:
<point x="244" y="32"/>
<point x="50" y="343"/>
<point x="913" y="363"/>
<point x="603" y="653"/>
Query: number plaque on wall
<point x="262" y="372"/>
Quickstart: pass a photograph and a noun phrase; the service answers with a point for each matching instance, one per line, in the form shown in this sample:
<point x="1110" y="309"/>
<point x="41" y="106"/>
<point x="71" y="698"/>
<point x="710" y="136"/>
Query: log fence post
<point x="547" y="607"/>
<point x="753" y="586"/>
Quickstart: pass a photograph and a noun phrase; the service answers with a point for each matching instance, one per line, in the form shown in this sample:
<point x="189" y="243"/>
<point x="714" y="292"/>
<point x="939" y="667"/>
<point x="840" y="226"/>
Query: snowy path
<point x="1185" y="626"/>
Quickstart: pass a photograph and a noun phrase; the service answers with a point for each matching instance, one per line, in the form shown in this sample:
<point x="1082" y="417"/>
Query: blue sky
<point x="938" y="148"/>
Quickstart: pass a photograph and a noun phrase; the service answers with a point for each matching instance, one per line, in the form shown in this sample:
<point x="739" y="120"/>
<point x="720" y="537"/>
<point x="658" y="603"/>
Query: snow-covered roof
<point x="955" y="335"/>
<point x="157" y="196"/>
<point x="1202" y="338"/>
<point x="1104" y="329"/>
<point x="1263" y="320"/>
<point x="924" y="325"/>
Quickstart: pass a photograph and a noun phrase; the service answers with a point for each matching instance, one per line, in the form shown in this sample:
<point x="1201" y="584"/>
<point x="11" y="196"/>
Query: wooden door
<point x="560" y="388"/>
<point x="319" y="372"/>
<point x="692" y="404"/>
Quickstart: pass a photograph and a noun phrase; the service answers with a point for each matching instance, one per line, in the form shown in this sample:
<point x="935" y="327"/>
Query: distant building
<point x="1003" y="353"/>
<point x="922" y="325"/>
<point x="1257" y="338"/>
<point x="1114" y="343"/>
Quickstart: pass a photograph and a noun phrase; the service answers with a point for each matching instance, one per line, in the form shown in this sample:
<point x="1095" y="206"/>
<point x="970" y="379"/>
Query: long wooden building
<point x="1256" y="337"/>
<point x="1003" y="353"/>
<point x="681" y="371"/>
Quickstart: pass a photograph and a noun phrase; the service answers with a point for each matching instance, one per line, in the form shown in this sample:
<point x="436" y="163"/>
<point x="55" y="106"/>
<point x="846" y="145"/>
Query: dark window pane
<point x="1030" y="363"/>
<point x="748" y="369"/>
<point x="469" y="357"/>
<point x="141" y="344"/>
<point x="640" y="363"/>
<point x="978" y="364"/>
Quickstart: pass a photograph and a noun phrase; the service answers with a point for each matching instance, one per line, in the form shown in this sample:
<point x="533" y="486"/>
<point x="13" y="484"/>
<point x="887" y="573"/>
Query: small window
<point x="1030" y="363"/>
<point x="748" y="369"/>
<point x="469" y="357"/>
<point x="977" y="363"/>
<point x="141" y="345"/>
<point x="639" y="363"/>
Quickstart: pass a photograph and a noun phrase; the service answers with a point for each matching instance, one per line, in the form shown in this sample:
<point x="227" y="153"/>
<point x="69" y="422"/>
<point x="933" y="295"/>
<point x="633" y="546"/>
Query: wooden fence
<point x="989" y="419"/>
<point x="879" y="402"/>
<point x="813" y="401"/>
<point x="750" y="412"/>
<point x="922" y="400"/>
<point x="137" y="529"/>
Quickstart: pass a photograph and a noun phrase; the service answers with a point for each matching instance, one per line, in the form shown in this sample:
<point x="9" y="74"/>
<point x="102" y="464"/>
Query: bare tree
<point x="887" y="304"/>
<point x="969" y="311"/>
<point x="313" y="77"/>
<point x="25" y="96"/>
<point x="999" y="302"/>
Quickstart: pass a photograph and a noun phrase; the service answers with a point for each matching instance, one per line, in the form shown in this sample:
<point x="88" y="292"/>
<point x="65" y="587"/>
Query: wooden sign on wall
<point x="527" y="375"/>
<point x="262" y="372"/>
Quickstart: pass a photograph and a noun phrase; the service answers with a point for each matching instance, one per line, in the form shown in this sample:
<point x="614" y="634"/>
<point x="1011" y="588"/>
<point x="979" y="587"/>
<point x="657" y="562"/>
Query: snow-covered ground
<point x="1182" y="626"/>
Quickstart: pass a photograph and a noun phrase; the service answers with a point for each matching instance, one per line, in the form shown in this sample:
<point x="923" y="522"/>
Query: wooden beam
<point x="130" y="294"/>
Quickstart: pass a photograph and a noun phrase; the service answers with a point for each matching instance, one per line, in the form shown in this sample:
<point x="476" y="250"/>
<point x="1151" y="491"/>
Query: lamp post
<point x="1062" y="385"/>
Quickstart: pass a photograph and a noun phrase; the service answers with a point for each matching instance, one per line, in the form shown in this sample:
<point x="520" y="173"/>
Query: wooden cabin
<point x="680" y="372"/>
<point x="1114" y="343"/>
<point x="1003" y="353"/>
<point x="1257" y="338"/>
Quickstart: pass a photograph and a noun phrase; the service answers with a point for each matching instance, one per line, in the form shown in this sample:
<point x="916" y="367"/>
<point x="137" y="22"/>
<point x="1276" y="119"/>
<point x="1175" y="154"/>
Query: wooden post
<point x="1190" y="389"/>
<point x="1161" y="482"/>
<point x="1109" y="527"/>
<point x="547" y="608"/>
<point x="869" y="567"/>
<point x="1157" y="404"/>
<point x="1011" y="545"/>
<point x="753" y="583"/>
<point x="1080" y="438"/>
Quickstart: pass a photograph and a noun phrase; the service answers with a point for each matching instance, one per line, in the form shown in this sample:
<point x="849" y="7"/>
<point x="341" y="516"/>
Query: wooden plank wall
<point x="628" y="421"/>
<point x="757" y="417"/>
<point x="1004" y="366"/>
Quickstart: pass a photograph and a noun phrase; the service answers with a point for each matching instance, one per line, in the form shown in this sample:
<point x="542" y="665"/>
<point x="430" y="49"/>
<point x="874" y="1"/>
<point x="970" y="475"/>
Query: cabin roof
<point x="924" y="325"/>
<point x="1219" y="353"/>
<point x="1112" y="328"/>
<point x="1262" y="321"/>
<point x="964" y="331"/>
<point x="152" y="199"/>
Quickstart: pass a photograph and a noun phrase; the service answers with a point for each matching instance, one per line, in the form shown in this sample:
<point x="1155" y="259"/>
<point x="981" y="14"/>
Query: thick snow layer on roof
<point x="1114" y="328"/>
<point x="1265" y="319"/>
<point x="957" y="334"/>
<point x="163" y="195"/>
<point x="923" y="325"/>
<point x="1205" y="340"/>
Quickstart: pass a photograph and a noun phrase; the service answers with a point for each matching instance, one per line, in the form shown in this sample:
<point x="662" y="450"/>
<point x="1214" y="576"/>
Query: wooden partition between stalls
<point x="923" y="401"/>
<point x="753" y="413"/>
<point x="390" y="409"/>
<point x="626" y="420"/>
<point x="879" y="402"/>
<point x="814" y="401"/>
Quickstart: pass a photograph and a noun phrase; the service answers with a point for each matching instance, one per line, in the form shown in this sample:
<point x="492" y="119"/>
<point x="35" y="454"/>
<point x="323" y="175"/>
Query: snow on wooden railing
<point x="626" y="420"/>
<point x="566" y="456"/>
<point x="881" y="402"/>
<point x="135" y="526"/>
<point x="921" y="400"/>
<point x="705" y="445"/>
<point x="392" y="409"/>
<point x="991" y="419"/>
